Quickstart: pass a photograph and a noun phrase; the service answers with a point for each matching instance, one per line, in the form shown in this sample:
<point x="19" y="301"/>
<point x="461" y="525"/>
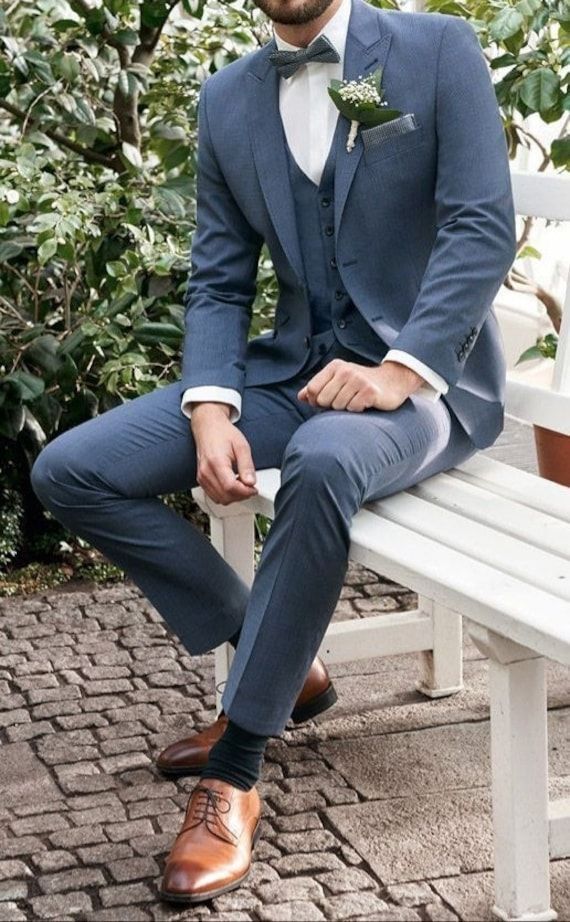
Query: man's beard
<point x="300" y="13"/>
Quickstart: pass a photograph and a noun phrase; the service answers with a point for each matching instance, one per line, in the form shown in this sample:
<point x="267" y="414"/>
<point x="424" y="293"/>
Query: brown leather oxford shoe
<point x="188" y="756"/>
<point x="212" y="852"/>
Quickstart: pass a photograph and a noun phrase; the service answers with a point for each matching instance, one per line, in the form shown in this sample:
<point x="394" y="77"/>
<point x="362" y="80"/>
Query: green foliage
<point x="97" y="186"/>
<point x="530" y="41"/>
<point x="545" y="347"/>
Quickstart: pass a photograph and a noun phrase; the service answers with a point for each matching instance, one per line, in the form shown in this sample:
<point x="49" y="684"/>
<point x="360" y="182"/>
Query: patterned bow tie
<point x="321" y="50"/>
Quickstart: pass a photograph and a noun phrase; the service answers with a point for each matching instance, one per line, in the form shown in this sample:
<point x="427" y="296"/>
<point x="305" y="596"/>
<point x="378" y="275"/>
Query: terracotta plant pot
<point x="553" y="455"/>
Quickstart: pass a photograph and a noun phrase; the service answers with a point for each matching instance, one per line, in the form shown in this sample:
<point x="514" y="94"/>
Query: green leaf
<point x="132" y="155"/>
<point x="506" y="23"/>
<point x="126" y="37"/>
<point x="528" y="7"/>
<point x="27" y="386"/>
<point x="12" y="421"/>
<point x="560" y="152"/>
<point x="9" y="250"/>
<point x="67" y="66"/>
<point x="47" y="250"/>
<point x="530" y="252"/>
<point x="43" y="352"/>
<point x="539" y="89"/>
<point x="155" y="334"/>
<point x="532" y="353"/>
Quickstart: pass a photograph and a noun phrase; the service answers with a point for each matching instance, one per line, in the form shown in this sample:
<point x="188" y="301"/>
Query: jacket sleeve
<point x="222" y="283"/>
<point x="475" y="243"/>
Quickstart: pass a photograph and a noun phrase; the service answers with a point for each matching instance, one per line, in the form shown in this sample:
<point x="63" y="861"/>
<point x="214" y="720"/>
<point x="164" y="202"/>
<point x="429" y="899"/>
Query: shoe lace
<point x="209" y="807"/>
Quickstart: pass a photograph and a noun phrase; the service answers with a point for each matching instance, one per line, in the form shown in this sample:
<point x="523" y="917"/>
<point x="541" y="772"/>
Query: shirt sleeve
<point x="211" y="394"/>
<point x="435" y="385"/>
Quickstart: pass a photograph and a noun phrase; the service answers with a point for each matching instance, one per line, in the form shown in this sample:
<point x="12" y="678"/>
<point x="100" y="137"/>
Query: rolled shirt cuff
<point x="434" y="385"/>
<point x="210" y="394"/>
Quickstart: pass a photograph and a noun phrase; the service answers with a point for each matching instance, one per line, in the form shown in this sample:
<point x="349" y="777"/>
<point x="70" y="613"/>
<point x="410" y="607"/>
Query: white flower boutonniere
<point x="362" y="102"/>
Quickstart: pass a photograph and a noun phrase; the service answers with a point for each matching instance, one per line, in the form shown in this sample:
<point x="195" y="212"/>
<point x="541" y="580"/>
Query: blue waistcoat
<point x="335" y="321"/>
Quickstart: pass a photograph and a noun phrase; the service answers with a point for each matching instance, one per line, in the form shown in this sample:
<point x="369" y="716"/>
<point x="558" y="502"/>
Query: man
<point x="385" y="367"/>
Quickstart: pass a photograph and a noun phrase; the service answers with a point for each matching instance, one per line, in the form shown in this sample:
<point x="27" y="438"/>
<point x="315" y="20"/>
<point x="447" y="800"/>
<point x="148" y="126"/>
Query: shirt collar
<point x="335" y="30"/>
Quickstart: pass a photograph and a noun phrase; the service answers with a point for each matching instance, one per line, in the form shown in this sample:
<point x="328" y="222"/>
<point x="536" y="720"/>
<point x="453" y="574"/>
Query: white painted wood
<point x="516" y="556"/>
<point x="441" y="666"/>
<point x="519" y="757"/>
<point x="381" y="635"/>
<point x="543" y="196"/>
<point x="527" y="489"/>
<point x="559" y="822"/>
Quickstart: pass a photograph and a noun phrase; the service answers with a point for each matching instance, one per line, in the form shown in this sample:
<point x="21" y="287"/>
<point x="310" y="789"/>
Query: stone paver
<point x="379" y="810"/>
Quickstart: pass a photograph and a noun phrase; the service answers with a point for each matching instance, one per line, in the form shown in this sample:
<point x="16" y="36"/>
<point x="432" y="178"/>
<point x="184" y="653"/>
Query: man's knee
<point x="316" y="453"/>
<point x="61" y="469"/>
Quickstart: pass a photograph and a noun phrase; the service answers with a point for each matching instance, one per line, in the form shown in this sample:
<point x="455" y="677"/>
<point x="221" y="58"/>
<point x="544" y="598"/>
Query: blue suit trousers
<point x="104" y="478"/>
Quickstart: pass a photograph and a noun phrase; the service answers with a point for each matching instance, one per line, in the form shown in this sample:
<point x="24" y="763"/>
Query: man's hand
<point x="221" y="450"/>
<point x="347" y="386"/>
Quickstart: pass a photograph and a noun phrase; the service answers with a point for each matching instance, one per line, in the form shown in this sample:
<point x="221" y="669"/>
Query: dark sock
<point x="236" y="757"/>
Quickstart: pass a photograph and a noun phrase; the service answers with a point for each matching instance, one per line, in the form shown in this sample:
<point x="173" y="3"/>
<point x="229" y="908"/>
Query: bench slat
<point x="501" y="602"/>
<point x="512" y="483"/>
<point x="504" y="515"/>
<point x="479" y="541"/>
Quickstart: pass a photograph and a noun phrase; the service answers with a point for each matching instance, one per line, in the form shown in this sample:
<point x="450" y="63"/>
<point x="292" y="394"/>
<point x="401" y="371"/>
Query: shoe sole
<point x="317" y="705"/>
<point x="191" y="899"/>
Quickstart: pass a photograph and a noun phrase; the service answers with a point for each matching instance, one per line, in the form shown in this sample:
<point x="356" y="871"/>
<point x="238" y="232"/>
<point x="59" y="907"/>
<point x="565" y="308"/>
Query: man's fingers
<point x="244" y="462"/>
<point x="345" y="395"/>
<point x="313" y="387"/>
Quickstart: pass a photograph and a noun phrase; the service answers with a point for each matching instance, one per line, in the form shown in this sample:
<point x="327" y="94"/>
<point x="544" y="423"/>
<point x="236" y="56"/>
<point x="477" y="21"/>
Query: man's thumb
<point x="246" y="469"/>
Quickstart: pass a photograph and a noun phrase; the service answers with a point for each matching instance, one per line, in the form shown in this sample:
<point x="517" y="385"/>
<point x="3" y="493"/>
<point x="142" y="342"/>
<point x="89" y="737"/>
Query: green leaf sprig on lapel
<point x="361" y="101"/>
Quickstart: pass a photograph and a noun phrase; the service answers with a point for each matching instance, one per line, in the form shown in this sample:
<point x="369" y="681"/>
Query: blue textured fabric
<point x="104" y="478"/>
<point x="314" y="217"/>
<point x="424" y="219"/>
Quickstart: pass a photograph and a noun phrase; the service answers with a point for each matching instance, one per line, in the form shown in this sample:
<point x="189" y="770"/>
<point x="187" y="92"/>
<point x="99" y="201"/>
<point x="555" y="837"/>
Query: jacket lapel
<point x="367" y="48"/>
<point x="269" y="152"/>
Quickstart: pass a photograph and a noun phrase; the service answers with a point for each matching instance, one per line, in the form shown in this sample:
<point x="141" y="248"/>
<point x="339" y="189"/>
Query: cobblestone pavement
<point x="378" y="810"/>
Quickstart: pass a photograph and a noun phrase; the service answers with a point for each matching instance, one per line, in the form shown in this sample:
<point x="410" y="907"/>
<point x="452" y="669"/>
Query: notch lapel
<point x="269" y="153"/>
<point x="367" y="48"/>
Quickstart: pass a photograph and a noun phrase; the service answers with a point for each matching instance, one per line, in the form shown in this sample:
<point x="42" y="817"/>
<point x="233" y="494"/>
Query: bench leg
<point x="234" y="538"/>
<point x="519" y="759"/>
<point x="442" y="667"/>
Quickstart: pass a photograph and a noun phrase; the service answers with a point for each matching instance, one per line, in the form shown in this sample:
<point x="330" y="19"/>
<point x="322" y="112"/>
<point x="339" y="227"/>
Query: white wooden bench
<point x="492" y="544"/>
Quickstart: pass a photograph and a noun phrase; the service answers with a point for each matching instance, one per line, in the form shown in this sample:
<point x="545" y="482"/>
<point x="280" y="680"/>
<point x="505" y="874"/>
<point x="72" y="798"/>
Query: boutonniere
<point x="362" y="102"/>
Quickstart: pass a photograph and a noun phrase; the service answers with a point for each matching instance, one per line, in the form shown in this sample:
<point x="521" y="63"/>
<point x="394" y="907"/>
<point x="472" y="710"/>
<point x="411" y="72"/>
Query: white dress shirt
<point x="309" y="119"/>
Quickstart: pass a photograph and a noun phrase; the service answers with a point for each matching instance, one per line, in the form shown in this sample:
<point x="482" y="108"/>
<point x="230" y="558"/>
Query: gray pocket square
<point x="392" y="129"/>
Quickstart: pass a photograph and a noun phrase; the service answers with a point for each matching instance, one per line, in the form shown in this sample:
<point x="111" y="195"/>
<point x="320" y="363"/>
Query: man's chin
<point x="293" y="12"/>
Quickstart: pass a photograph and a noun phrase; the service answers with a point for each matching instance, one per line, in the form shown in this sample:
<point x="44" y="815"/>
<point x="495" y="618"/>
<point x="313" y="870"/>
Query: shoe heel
<point x="316" y="706"/>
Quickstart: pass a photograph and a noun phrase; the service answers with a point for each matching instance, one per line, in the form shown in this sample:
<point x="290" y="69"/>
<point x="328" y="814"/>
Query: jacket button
<point x="333" y="262"/>
<point x="339" y="295"/>
<point x="329" y="230"/>
<point x="341" y="324"/>
<point x="325" y="202"/>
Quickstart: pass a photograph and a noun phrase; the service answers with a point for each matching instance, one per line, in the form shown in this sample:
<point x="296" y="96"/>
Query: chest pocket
<point x="379" y="143"/>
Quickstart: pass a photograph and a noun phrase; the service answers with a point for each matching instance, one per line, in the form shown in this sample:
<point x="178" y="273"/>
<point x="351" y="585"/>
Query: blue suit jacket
<point x="424" y="221"/>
